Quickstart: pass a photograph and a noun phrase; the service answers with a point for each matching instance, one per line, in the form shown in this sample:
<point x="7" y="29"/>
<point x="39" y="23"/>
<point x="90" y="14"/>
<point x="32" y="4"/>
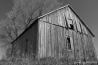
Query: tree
<point x="24" y="11"/>
<point x="9" y="30"/>
<point x="63" y="2"/>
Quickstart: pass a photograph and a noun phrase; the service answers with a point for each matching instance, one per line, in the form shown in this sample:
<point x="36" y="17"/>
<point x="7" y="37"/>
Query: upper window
<point x="71" y="27"/>
<point x="70" y="24"/>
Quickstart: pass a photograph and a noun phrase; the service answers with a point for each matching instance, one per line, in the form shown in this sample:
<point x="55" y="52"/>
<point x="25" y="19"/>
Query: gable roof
<point x="68" y="5"/>
<point x="82" y="22"/>
<point x="51" y="13"/>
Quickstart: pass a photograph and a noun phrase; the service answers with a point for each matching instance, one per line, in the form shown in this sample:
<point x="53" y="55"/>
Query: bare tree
<point x="8" y="29"/>
<point x="24" y="11"/>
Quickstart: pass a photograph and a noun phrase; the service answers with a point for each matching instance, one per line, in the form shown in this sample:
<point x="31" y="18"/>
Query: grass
<point x="43" y="61"/>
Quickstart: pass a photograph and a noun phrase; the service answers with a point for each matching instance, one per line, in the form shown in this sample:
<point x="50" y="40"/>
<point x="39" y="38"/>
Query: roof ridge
<point x="54" y="11"/>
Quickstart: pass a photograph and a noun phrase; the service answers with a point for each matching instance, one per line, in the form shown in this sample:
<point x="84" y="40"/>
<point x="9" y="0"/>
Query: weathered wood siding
<point x="26" y="44"/>
<point x="54" y="29"/>
<point x="51" y="40"/>
<point x="53" y="33"/>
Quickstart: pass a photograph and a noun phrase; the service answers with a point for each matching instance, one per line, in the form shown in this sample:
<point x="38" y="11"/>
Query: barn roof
<point x="51" y="13"/>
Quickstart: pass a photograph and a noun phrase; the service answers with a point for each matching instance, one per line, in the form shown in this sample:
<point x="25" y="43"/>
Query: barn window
<point x="70" y="24"/>
<point x="71" y="27"/>
<point x="68" y="43"/>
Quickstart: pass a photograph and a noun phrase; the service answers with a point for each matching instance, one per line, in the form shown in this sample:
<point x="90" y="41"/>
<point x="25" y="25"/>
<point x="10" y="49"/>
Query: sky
<point x="86" y="9"/>
<point x="5" y="6"/>
<point x="88" y="12"/>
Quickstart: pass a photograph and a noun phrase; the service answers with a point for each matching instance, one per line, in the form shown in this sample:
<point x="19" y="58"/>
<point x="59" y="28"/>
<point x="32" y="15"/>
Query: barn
<point x="59" y="33"/>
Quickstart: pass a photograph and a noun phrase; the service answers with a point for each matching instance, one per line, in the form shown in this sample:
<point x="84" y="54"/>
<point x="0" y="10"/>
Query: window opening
<point x="68" y="43"/>
<point x="71" y="27"/>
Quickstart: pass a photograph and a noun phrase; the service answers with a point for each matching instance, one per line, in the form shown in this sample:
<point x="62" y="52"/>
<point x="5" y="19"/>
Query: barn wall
<point x="26" y="44"/>
<point x="53" y="29"/>
<point x="52" y="41"/>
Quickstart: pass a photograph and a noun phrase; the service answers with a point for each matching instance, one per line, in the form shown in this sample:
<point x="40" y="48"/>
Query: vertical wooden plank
<point x="65" y="34"/>
<point x="42" y="42"/>
<point x="85" y="30"/>
<point x="49" y="39"/>
<point x="90" y="49"/>
<point x="63" y="17"/>
<point x="52" y="39"/>
<point x="52" y="16"/>
<point x="55" y="18"/>
<point x="84" y="39"/>
<point x="64" y="52"/>
<point x="74" y="41"/>
<point x="45" y="25"/>
<point x="66" y="13"/>
<point x="42" y="38"/>
<point x="82" y="28"/>
<point x="80" y="46"/>
<point x="69" y="20"/>
<point x="60" y="40"/>
<point x="58" y="52"/>
<point x="47" y="45"/>
<point x="68" y="17"/>
<point x="60" y="22"/>
<point x="56" y="41"/>
<point x="71" y="14"/>
<point x="63" y="40"/>
<point x="76" y="51"/>
<point x="78" y="25"/>
<point x="39" y="40"/>
<point x="49" y="18"/>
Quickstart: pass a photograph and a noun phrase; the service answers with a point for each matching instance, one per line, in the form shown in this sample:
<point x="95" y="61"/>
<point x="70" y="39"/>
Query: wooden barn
<point x="59" y="33"/>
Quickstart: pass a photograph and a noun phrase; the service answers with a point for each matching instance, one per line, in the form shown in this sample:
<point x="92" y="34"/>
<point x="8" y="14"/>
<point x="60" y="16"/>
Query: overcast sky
<point x="88" y="12"/>
<point x="86" y="9"/>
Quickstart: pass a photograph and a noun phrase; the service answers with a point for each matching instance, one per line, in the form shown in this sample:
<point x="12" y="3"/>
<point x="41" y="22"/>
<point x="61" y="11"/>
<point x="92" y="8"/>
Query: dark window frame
<point x="69" y="43"/>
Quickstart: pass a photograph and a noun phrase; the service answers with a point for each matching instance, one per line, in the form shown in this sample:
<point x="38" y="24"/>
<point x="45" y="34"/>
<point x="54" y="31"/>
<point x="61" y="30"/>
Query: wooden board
<point x="41" y="39"/>
<point x="52" y="39"/>
<point x="56" y="41"/>
<point x="60" y="40"/>
<point x="63" y="19"/>
<point x="76" y="50"/>
<point x="48" y="53"/>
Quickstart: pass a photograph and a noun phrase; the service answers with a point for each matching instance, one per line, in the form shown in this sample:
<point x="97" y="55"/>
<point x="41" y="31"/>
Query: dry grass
<point x="30" y="61"/>
<point x="44" y="61"/>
